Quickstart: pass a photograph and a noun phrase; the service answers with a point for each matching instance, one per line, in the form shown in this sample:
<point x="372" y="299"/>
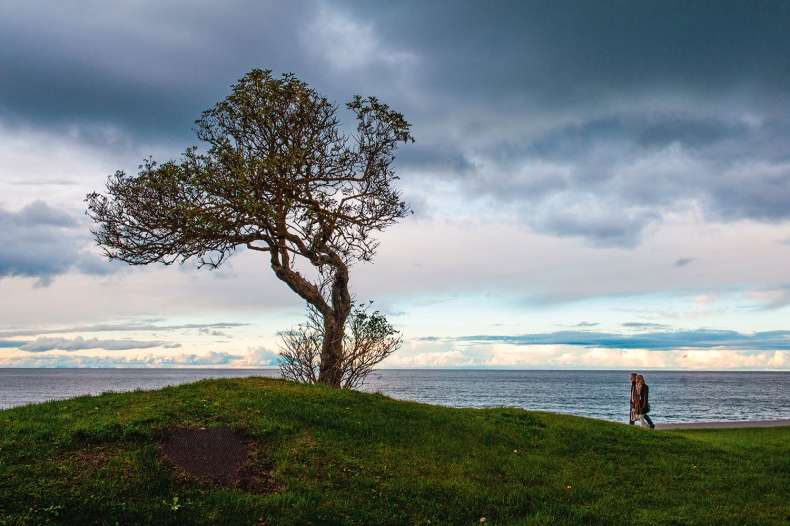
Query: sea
<point x="675" y="396"/>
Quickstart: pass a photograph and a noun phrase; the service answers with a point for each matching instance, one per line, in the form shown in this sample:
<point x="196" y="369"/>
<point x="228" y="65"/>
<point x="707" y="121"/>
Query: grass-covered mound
<point x="324" y="456"/>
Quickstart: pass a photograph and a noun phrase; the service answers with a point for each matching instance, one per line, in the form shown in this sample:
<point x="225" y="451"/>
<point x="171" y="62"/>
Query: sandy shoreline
<point x="725" y="425"/>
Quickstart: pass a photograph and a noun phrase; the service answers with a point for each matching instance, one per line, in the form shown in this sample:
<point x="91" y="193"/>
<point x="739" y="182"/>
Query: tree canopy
<point x="280" y="177"/>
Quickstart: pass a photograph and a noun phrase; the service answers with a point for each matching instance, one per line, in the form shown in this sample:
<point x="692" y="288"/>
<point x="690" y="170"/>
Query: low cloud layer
<point x="122" y="327"/>
<point x="253" y="357"/>
<point x="662" y="341"/>
<point x="498" y="354"/>
<point x="43" y="344"/>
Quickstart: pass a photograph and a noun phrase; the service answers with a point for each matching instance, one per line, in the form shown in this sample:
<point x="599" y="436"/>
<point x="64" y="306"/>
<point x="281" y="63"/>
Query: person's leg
<point x="650" y="422"/>
<point x="631" y="415"/>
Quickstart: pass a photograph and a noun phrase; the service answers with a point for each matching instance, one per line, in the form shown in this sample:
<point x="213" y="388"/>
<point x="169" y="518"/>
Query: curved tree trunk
<point x="332" y="352"/>
<point x="334" y="315"/>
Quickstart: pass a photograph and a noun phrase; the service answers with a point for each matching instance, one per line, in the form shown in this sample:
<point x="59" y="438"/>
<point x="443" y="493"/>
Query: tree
<point x="368" y="339"/>
<point x="280" y="177"/>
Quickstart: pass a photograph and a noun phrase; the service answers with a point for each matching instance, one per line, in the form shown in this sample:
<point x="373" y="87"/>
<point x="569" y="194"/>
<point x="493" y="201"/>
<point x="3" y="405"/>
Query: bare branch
<point x="368" y="340"/>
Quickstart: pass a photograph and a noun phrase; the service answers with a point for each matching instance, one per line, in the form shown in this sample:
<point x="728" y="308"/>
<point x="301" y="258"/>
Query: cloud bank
<point x="633" y="156"/>
<point x="122" y="327"/>
<point x="663" y="341"/>
<point x="590" y="120"/>
<point x="40" y="241"/>
<point x="253" y="357"/>
<point x="451" y="353"/>
<point x="43" y="344"/>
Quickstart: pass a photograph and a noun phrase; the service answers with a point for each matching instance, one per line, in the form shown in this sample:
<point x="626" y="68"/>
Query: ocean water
<point x="32" y="386"/>
<point x="675" y="396"/>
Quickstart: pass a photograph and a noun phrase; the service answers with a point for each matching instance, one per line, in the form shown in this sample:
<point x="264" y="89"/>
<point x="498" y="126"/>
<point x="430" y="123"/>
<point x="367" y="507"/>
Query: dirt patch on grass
<point x="220" y="456"/>
<point x="87" y="462"/>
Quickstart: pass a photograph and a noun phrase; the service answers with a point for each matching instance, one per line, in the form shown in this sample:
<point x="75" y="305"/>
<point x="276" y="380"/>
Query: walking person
<point x="641" y="402"/>
<point x="631" y="411"/>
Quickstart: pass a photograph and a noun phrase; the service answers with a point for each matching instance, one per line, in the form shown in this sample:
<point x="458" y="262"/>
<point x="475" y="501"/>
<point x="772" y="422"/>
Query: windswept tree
<point x="279" y="176"/>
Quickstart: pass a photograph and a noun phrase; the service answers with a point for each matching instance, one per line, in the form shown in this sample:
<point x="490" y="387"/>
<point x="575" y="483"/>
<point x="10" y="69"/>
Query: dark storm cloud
<point x="595" y="119"/>
<point x="148" y="62"/>
<point x="148" y="68"/>
<point x="573" y="51"/>
<point x="660" y="341"/>
<point x="588" y="119"/>
<point x="42" y="242"/>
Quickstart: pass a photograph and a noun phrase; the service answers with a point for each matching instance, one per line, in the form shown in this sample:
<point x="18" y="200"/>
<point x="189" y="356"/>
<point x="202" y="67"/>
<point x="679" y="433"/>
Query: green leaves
<point x="278" y="171"/>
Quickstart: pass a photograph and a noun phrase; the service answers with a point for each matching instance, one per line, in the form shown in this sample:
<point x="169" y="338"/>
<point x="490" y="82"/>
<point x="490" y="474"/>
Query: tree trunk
<point x="331" y="370"/>
<point x="334" y="315"/>
<point x="332" y="352"/>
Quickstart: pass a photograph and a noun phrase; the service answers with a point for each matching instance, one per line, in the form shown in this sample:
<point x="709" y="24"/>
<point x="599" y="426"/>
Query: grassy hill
<point x="324" y="456"/>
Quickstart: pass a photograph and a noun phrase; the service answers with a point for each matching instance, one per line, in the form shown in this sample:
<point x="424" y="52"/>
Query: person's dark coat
<point x="640" y="399"/>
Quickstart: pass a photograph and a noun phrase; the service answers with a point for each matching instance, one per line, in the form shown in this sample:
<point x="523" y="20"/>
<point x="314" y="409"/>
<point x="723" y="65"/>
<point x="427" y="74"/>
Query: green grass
<point x="344" y="457"/>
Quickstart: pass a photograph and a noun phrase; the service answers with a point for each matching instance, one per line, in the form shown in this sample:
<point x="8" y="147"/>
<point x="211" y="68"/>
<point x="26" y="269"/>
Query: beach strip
<point x="725" y="425"/>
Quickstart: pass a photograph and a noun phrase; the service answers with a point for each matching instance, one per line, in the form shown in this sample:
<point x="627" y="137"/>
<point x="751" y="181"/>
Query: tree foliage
<point x="368" y="340"/>
<point x="279" y="177"/>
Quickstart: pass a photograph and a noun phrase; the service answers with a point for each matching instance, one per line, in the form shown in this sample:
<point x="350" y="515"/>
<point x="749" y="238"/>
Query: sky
<point x="599" y="185"/>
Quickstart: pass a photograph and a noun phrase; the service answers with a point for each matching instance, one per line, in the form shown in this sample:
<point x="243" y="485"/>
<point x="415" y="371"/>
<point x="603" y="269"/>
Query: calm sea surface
<point x="674" y="396"/>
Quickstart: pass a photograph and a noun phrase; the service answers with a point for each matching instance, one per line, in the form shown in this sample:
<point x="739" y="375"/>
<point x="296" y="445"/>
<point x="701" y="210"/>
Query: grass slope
<point x="344" y="457"/>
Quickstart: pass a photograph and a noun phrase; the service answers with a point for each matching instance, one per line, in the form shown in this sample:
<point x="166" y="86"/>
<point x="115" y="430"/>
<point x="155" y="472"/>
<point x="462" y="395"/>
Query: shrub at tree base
<point x="368" y="339"/>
